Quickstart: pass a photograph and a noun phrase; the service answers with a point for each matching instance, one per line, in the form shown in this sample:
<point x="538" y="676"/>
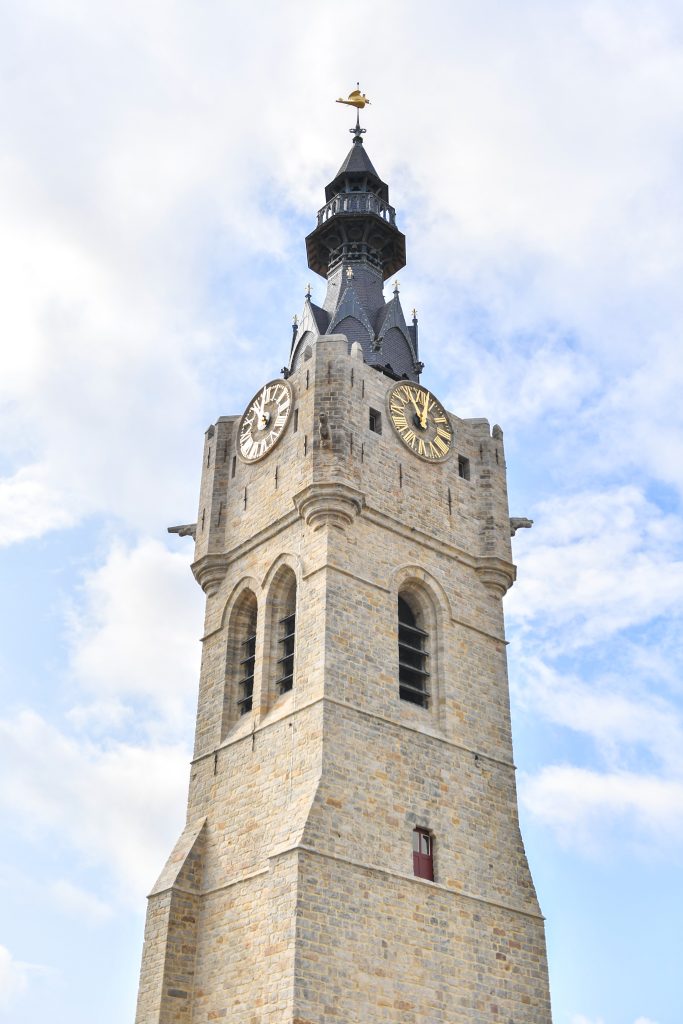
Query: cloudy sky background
<point x="160" y="165"/>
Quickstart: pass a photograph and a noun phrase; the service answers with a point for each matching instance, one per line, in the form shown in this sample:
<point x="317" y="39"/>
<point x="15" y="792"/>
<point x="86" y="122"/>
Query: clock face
<point x="420" y="421"/>
<point x="264" y="420"/>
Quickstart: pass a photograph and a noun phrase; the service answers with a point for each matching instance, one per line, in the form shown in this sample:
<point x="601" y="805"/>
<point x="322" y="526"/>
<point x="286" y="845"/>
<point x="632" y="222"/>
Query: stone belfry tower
<point x="352" y="851"/>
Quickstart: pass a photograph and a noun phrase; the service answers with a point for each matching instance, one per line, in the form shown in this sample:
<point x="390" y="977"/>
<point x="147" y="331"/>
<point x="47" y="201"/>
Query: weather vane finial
<point x="358" y="100"/>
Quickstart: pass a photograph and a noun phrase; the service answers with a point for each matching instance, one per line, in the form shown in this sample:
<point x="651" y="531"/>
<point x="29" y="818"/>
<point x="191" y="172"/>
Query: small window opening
<point x="234" y="465"/>
<point x="423" y="854"/>
<point x="412" y="657"/>
<point x="463" y="467"/>
<point x="246" y="683"/>
<point x="375" y="421"/>
<point x="286" y="662"/>
<point x="296" y="421"/>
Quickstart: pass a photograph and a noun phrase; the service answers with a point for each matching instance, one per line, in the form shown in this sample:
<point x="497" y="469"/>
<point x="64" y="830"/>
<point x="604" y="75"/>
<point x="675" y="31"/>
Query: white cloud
<point x="579" y="1018"/>
<point x="585" y="807"/>
<point x="15" y="977"/>
<point x="628" y="790"/>
<point x="89" y="797"/>
<point x="79" y="903"/>
<point x="135" y="637"/>
<point x="126" y="249"/>
<point x="597" y="563"/>
<point x="622" y="715"/>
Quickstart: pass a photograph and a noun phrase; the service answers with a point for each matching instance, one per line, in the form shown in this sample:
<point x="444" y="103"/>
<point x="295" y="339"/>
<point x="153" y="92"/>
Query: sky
<point x="160" y="166"/>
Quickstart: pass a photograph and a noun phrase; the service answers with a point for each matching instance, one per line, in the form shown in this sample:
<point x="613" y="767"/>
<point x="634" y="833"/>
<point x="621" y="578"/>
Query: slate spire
<point x="356" y="246"/>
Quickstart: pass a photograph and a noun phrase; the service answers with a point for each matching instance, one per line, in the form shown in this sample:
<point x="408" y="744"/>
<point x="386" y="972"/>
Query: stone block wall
<point x="303" y="903"/>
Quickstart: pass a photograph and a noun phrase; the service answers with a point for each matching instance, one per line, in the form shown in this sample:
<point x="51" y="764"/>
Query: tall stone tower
<point x="352" y="852"/>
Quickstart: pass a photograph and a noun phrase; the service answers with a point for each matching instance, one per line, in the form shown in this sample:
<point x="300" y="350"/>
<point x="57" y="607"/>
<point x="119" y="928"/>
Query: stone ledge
<point x="408" y="878"/>
<point x="368" y="714"/>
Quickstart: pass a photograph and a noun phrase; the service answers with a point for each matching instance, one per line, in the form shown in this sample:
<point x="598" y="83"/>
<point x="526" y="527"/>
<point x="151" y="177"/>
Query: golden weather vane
<point x="358" y="100"/>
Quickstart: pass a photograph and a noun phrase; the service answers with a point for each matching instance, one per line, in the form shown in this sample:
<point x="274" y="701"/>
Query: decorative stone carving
<point x="324" y="430"/>
<point x="519" y="523"/>
<point x="329" y="504"/>
<point x="188" y="530"/>
<point x="209" y="572"/>
<point x="496" y="574"/>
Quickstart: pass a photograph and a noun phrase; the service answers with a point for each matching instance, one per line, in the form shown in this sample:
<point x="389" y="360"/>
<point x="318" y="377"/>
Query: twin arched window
<point x="278" y="650"/>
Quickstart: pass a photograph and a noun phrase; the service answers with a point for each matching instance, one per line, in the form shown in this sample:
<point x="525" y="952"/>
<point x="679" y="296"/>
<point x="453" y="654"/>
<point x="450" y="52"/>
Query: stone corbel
<point x="496" y="574"/>
<point x="329" y="504"/>
<point x="209" y="572"/>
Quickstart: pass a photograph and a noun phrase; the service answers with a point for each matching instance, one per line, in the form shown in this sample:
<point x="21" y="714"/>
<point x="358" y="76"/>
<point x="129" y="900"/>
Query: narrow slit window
<point x="423" y="854"/>
<point x="285" y="662"/>
<point x="413" y="677"/>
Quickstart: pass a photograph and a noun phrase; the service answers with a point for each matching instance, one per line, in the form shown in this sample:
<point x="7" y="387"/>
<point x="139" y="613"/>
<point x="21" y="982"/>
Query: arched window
<point x="413" y="675"/>
<point x="242" y="654"/>
<point x="286" y="636"/>
<point x="281" y="633"/>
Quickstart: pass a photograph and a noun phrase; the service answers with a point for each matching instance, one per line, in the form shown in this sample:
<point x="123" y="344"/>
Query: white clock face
<point x="264" y="420"/>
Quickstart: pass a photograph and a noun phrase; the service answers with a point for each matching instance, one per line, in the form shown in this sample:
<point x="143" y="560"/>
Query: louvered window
<point x="413" y="676"/>
<point x="285" y="662"/>
<point x="246" y="683"/>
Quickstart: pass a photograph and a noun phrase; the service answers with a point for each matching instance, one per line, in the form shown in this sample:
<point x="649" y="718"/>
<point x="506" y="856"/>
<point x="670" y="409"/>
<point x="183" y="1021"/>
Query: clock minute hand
<point x="417" y="408"/>
<point x="423" y="414"/>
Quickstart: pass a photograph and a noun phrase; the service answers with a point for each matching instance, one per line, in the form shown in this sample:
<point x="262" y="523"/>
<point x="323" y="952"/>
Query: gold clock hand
<point x="417" y="409"/>
<point x="425" y="410"/>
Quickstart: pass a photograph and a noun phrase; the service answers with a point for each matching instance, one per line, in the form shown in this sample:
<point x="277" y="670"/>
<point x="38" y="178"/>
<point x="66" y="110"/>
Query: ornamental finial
<point x="308" y="291"/>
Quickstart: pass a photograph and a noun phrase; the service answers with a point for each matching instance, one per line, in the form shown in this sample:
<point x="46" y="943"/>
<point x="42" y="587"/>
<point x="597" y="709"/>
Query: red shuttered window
<point x="423" y="854"/>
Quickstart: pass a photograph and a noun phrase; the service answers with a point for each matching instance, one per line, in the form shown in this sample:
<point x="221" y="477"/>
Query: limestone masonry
<point x="353" y="697"/>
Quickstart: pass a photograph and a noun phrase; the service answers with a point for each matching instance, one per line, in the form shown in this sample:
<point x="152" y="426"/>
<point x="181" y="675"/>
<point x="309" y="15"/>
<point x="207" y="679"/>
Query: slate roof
<point x="357" y="161"/>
